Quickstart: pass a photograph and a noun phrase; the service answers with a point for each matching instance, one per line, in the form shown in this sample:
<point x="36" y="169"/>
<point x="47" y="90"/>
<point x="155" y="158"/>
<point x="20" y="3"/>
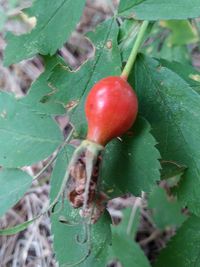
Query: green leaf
<point x="175" y="53"/>
<point x="13" y="185"/>
<point x="73" y="87"/>
<point x="125" y="5"/>
<point x="124" y="249"/>
<point x="170" y="209"/>
<point x="173" y="109"/>
<point x="160" y="9"/>
<point x="182" y="32"/>
<point x="184" y="248"/>
<point x="131" y="165"/>
<point x="40" y="88"/>
<point x="186" y="71"/>
<point x="18" y="228"/>
<point x="127" y="251"/>
<point x="55" y="22"/>
<point x="66" y="247"/>
<point x="25" y="136"/>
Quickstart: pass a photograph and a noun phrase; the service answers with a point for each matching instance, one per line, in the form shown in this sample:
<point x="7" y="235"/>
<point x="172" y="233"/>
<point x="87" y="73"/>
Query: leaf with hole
<point x="35" y="99"/>
<point x="92" y="71"/>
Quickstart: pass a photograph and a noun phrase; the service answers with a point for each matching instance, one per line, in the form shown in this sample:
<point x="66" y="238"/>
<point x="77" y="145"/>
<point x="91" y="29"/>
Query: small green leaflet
<point x="13" y="185"/>
<point x="184" y="248"/>
<point x="25" y="136"/>
<point x="68" y="250"/>
<point x="160" y="9"/>
<point x="173" y="109"/>
<point x="131" y="165"/>
<point x="55" y="22"/>
<point x="73" y="87"/>
<point x="166" y="211"/>
<point x="124" y="249"/>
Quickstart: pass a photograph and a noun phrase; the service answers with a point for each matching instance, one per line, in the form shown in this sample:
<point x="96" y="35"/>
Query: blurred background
<point x="33" y="247"/>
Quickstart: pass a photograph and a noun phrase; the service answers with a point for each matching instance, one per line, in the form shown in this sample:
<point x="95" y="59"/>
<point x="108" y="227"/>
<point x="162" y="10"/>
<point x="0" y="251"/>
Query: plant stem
<point x="136" y="205"/>
<point x="134" y="51"/>
<point x="54" y="157"/>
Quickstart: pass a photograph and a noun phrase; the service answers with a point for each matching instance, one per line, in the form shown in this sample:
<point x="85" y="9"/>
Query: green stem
<point x="135" y="49"/>
<point x="54" y="157"/>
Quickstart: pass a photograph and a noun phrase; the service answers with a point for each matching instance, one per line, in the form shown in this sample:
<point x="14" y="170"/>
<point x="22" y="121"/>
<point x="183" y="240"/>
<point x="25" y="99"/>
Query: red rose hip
<point x="111" y="108"/>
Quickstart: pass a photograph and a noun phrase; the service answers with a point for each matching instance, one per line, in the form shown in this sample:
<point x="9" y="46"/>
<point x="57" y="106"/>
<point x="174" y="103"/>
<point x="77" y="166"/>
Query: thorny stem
<point x="134" y="51"/>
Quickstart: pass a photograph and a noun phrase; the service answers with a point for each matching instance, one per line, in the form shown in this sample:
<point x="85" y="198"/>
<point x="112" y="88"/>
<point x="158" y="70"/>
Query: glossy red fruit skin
<point x="111" y="108"/>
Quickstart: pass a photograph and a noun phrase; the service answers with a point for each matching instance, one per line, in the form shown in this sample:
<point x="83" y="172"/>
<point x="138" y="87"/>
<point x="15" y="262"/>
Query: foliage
<point x="173" y="112"/>
<point x="92" y="71"/>
<point x="100" y="232"/>
<point x="22" y="131"/>
<point x="123" y="159"/>
<point x="166" y="133"/>
<point x="183" y="249"/>
<point x="159" y="9"/>
<point x="50" y="17"/>
<point x="160" y="203"/>
<point x="20" y="181"/>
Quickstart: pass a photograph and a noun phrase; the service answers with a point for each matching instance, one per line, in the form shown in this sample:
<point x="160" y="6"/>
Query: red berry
<point x="111" y="109"/>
